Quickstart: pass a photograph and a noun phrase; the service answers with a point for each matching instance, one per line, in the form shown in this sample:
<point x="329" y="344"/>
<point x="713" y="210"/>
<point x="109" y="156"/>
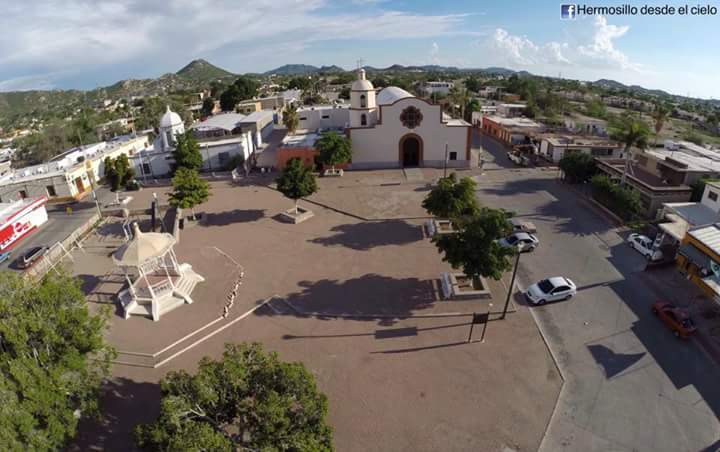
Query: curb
<point x="563" y="379"/>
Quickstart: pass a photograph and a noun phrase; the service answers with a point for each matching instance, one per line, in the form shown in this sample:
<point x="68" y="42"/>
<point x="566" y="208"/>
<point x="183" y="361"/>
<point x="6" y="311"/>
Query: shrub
<point x="622" y="201"/>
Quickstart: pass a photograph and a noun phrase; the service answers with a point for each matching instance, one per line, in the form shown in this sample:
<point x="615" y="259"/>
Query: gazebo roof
<point x="143" y="247"/>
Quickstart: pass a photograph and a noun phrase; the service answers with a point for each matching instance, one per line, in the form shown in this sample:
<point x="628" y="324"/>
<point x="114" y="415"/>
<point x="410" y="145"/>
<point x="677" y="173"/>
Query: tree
<point x="334" y="149"/>
<point x="629" y="130"/>
<point x="344" y="93"/>
<point x="577" y="167"/>
<point x="459" y="98"/>
<point x="296" y="181"/>
<point x="596" y="109"/>
<point x="290" y="119"/>
<point x="243" y="88"/>
<point x="249" y="400"/>
<point x="53" y="358"/>
<point x="187" y="152"/>
<point x="301" y="83"/>
<point x="624" y="202"/>
<point x="474" y="248"/>
<point x="189" y="190"/>
<point x="472" y="84"/>
<point x="118" y="171"/>
<point x="660" y="115"/>
<point x="379" y="82"/>
<point x="208" y="106"/>
<point x="452" y="198"/>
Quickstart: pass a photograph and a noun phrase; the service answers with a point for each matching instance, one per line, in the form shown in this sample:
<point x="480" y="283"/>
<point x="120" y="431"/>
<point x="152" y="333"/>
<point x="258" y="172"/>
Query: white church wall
<point x="379" y="146"/>
<point x="324" y="117"/>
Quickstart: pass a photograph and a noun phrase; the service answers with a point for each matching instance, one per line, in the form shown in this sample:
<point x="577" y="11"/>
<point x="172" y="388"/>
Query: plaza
<point x="354" y="294"/>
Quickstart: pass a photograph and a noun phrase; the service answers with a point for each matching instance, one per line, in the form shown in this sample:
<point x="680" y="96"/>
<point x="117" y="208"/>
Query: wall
<point x="336" y="118"/>
<point x="307" y="155"/>
<point x="379" y="146"/>
<point x="713" y="204"/>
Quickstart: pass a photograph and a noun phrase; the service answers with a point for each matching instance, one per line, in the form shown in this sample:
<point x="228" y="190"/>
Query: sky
<point x="83" y="44"/>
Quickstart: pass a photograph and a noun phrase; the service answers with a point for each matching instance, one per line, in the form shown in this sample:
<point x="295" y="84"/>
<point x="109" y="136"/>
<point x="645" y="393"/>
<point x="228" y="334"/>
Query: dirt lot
<point x="357" y="302"/>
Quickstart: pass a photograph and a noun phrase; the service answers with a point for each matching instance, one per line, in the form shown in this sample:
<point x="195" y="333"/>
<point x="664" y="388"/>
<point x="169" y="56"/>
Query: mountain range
<point x="199" y="73"/>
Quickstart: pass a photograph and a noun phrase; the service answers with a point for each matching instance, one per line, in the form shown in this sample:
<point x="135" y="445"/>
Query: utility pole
<point x="512" y="285"/>
<point x="92" y="182"/>
<point x="446" y="160"/>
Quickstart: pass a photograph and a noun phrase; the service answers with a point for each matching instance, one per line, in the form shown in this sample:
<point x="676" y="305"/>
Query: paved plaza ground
<point x="353" y="294"/>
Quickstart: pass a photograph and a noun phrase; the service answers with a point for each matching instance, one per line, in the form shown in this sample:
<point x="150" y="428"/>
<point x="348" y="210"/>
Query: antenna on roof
<point x="359" y="64"/>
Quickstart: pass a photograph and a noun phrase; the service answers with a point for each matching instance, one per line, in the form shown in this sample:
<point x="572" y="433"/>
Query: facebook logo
<point x="568" y="12"/>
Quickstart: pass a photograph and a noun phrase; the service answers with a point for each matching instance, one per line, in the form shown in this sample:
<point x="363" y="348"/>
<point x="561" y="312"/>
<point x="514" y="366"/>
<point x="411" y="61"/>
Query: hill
<point x="201" y="70"/>
<point x="293" y="69"/>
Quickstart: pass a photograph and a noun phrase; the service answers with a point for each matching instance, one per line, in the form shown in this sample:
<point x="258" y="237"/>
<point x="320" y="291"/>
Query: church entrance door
<point x="410" y="151"/>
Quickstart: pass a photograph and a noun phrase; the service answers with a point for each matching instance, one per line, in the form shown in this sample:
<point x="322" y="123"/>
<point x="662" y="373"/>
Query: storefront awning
<point x="695" y="255"/>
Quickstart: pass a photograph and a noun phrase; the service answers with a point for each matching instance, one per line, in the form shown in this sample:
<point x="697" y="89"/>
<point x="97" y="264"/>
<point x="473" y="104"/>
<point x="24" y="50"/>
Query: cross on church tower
<point x="359" y="64"/>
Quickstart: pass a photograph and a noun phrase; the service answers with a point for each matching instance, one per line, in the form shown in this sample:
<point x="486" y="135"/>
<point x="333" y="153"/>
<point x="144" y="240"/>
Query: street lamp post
<point x="512" y="285"/>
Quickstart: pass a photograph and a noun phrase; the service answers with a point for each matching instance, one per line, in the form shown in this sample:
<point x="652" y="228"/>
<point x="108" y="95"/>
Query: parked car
<point x="644" y="245"/>
<point x="520" y="240"/>
<point x="677" y="319"/>
<point x="33" y="255"/>
<point x="5" y="256"/>
<point x="522" y="226"/>
<point x="518" y="159"/>
<point x="551" y="289"/>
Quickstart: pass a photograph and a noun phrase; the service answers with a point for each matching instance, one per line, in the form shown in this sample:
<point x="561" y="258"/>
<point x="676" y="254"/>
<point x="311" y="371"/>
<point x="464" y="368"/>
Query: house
<point x="511" y="130"/>
<point x="511" y="110"/>
<point x="71" y="175"/>
<point x="699" y="258"/>
<point x="433" y="88"/>
<point x="324" y="117"/>
<point x="651" y="183"/>
<point x="554" y="147"/>
<point x="679" y="217"/>
<point x="246" y="107"/>
<point x="586" y="125"/>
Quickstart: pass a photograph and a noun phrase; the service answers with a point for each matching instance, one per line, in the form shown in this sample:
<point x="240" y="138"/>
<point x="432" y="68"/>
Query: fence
<point x="59" y="250"/>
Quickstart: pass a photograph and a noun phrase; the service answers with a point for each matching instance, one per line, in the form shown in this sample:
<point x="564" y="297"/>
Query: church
<point x="394" y="129"/>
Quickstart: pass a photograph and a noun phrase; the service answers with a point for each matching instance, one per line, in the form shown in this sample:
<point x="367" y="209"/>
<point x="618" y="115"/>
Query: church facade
<point x="395" y="129"/>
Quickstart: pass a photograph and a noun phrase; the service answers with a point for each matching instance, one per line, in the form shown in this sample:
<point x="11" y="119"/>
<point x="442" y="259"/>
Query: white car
<point x="551" y="289"/>
<point x="644" y="245"/>
<point x="520" y="240"/>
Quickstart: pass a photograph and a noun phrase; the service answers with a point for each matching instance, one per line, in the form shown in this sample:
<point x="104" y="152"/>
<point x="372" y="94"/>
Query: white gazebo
<point x="156" y="282"/>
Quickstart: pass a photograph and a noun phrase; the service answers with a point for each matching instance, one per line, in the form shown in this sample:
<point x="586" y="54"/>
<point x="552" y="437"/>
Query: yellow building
<point x="699" y="258"/>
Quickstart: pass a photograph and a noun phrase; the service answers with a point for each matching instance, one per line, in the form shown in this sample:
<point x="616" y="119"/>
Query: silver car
<point x="551" y="289"/>
<point x="522" y="241"/>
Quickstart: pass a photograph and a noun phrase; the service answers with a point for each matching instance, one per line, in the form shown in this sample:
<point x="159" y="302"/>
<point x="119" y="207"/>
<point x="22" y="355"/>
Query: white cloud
<point x="599" y="52"/>
<point x="434" y="50"/>
<point x="45" y="36"/>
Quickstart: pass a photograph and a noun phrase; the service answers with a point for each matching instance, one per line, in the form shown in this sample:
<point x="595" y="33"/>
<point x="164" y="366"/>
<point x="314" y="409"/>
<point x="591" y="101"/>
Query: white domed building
<point x="171" y="125"/>
<point x="395" y="129"/>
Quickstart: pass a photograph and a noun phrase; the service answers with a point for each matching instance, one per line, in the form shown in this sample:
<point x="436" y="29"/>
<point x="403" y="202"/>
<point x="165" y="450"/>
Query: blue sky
<point x="85" y="43"/>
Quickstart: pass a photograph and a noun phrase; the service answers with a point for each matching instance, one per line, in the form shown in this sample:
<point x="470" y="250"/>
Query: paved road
<point x="60" y="224"/>
<point x="630" y="385"/>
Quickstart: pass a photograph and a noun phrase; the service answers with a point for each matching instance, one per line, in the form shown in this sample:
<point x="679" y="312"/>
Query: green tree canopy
<point x="52" y="358"/>
<point x="187" y="152"/>
<point x="577" y="167"/>
<point x="623" y="201"/>
<point x="474" y="248"/>
<point x="208" y="106"/>
<point x="190" y="190"/>
<point x="243" y="88"/>
<point x="118" y="171"/>
<point x="301" y="83"/>
<point x="290" y="118"/>
<point x="249" y="400"/>
<point x="296" y="181"/>
<point x="334" y="149"/>
<point x="660" y="115"/>
<point x="473" y="84"/>
<point x="630" y="130"/>
<point x="451" y="198"/>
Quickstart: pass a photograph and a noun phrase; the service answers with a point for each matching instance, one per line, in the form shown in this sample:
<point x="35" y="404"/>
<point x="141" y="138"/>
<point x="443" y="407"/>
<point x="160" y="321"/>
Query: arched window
<point x="362" y="101"/>
<point x="363" y="120"/>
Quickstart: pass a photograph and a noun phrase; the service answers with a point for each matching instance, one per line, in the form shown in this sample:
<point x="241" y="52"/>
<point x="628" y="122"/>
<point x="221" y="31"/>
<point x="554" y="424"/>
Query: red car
<point x="677" y="319"/>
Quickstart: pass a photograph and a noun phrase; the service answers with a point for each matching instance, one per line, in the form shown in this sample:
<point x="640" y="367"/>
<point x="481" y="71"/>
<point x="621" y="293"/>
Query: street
<point x="629" y="383"/>
<point x="60" y="224"/>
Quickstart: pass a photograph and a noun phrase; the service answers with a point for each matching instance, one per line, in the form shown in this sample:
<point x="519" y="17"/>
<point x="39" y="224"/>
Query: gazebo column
<point x="175" y="264"/>
<point x="169" y="278"/>
<point x="154" y="308"/>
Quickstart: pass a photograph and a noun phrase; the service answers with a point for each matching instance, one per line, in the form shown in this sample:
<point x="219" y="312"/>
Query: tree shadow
<point x="611" y="362"/>
<point x="124" y="403"/>
<point x="371" y="297"/>
<point x="232" y="216"/>
<point x="367" y="235"/>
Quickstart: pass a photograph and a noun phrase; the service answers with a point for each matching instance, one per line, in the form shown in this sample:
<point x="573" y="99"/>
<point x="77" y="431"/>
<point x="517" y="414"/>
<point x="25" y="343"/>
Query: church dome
<point x="391" y="94"/>
<point x="362" y="84"/>
<point x="170" y="119"/>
